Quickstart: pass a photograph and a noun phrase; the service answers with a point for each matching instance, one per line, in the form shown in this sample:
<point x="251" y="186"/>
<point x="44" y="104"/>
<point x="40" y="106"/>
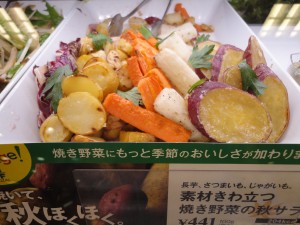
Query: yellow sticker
<point x="15" y="163"/>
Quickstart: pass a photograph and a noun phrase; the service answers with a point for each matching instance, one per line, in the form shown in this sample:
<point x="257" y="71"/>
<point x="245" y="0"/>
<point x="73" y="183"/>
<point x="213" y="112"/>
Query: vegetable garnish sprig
<point x="250" y="80"/>
<point x="53" y="90"/>
<point x="200" y="58"/>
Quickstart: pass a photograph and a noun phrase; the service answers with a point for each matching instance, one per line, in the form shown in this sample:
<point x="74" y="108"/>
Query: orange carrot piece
<point x="158" y="74"/>
<point x="145" y="53"/>
<point x="180" y="9"/>
<point x="131" y="35"/>
<point x="134" y="71"/>
<point x="152" y="41"/>
<point x="149" y="88"/>
<point x="142" y="44"/>
<point x="198" y="27"/>
<point x="145" y="120"/>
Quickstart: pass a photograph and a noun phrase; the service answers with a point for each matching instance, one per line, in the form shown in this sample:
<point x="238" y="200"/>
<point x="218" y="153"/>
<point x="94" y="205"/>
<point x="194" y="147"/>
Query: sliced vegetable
<point x="227" y="114"/>
<point x="149" y="88"/>
<point x="145" y="120"/>
<point x="232" y="76"/>
<point x="253" y="53"/>
<point x="275" y="98"/>
<point x="183" y="12"/>
<point x="225" y="57"/>
<point x="176" y="43"/>
<point x="133" y="136"/>
<point x="171" y="105"/>
<point x="52" y="130"/>
<point x="181" y="76"/>
<point x="134" y="70"/>
<point x="81" y="83"/>
<point x="81" y="113"/>
<point x="104" y="76"/>
<point x="84" y="138"/>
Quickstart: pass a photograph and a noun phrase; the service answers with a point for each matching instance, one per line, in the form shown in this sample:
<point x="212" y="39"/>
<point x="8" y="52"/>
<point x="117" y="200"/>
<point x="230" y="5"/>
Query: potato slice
<point x="82" y="60"/>
<point x="232" y="76"/>
<point x="81" y="83"/>
<point x="227" y="114"/>
<point x="93" y="60"/>
<point x="133" y="136"/>
<point x="81" y="113"/>
<point x="52" y="130"/>
<point x="104" y="76"/>
<point x="275" y="97"/>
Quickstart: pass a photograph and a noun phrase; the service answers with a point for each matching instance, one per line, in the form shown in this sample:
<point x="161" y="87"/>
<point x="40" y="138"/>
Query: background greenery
<point x="256" y="11"/>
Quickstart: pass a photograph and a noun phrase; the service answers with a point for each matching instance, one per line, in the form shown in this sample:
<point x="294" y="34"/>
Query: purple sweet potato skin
<point x="262" y="71"/>
<point x="194" y="99"/>
<point x="253" y="48"/>
<point x="218" y="58"/>
<point x="125" y="202"/>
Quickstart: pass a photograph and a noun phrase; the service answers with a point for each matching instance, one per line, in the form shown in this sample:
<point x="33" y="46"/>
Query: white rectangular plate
<point x="63" y="7"/>
<point x="18" y="113"/>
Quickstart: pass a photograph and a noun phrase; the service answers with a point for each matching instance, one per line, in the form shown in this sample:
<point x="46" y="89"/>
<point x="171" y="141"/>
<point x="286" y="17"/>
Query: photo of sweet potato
<point x="126" y="203"/>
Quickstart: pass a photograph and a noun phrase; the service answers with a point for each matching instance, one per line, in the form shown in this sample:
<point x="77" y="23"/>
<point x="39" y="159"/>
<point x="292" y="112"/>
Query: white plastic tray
<point x="18" y="112"/>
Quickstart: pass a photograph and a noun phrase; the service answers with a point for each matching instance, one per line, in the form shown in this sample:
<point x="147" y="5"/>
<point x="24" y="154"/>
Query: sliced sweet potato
<point x="275" y="98"/>
<point x="253" y="54"/>
<point x="227" y="114"/>
<point x="232" y="76"/>
<point x="225" y="57"/>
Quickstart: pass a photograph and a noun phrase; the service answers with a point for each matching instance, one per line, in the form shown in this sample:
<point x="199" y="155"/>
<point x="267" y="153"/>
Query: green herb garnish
<point x="53" y="85"/>
<point x="132" y="95"/>
<point x="145" y="32"/>
<point x="55" y="17"/>
<point x="99" y="40"/>
<point x="202" y="38"/>
<point x="200" y="57"/>
<point x="39" y="19"/>
<point x="198" y="83"/>
<point x="250" y="80"/>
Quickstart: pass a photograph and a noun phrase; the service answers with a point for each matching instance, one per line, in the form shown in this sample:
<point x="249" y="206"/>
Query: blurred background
<point x="277" y="24"/>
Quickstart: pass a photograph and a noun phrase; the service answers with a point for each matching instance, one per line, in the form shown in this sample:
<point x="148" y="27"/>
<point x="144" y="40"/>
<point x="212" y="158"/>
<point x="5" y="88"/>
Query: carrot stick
<point x="149" y="88"/>
<point x="131" y="35"/>
<point x="158" y="74"/>
<point x="145" y="120"/>
<point x="134" y="71"/>
<point x="180" y="9"/>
